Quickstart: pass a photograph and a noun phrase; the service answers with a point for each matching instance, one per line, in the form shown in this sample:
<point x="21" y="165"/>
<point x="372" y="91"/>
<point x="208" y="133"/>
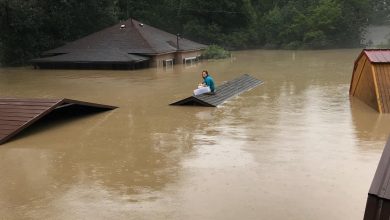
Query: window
<point x="190" y="60"/>
<point x="168" y="63"/>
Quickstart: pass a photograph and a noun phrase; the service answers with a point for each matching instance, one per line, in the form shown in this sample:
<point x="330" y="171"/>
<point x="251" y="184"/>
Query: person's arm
<point x="207" y="82"/>
<point x="203" y="83"/>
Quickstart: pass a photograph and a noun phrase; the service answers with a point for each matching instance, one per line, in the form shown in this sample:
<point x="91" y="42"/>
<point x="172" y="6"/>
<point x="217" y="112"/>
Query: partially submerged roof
<point x="18" y="114"/>
<point x="131" y="37"/>
<point x="376" y="55"/>
<point x="378" y="201"/>
<point x="380" y="185"/>
<point x="93" y="55"/>
<point x="222" y="93"/>
<point x="370" y="81"/>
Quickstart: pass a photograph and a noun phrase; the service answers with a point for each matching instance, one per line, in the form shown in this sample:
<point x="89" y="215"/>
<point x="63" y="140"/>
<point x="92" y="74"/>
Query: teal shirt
<point x="209" y="81"/>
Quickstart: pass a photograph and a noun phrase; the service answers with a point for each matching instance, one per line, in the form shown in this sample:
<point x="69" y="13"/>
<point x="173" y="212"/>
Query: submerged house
<point x="127" y="45"/>
<point x="371" y="79"/>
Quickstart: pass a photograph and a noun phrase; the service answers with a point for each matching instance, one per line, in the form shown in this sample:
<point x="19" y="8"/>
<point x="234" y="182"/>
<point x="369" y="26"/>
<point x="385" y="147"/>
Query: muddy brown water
<point x="296" y="147"/>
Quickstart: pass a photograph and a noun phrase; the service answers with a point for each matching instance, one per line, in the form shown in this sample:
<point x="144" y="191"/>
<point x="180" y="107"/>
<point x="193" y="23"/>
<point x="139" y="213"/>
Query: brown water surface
<point x="296" y="147"/>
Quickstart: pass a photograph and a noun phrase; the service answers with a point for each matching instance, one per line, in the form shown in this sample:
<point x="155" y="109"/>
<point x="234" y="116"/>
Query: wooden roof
<point x="380" y="185"/>
<point x="378" y="201"/>
<point x="121" y="42"/>
<point x="18" y="114"/>
<point x="222" y="93"/>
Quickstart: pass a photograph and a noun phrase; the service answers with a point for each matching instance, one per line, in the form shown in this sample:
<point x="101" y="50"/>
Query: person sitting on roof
<point x="208" y="80"/>
<point x="207" y="86"/>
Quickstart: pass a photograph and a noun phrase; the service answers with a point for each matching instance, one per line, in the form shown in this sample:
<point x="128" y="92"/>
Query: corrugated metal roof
<point x="378" y="55"/>
<point x="18" y="114"/>
<point x="223" y="92"/>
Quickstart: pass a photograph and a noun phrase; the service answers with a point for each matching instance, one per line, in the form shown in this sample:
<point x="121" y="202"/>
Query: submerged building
<point x="127" y="45"/>
<point x="371" y="79"/>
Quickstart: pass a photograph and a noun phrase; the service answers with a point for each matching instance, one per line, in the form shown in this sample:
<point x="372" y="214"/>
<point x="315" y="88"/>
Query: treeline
<point x="30" y="27"/>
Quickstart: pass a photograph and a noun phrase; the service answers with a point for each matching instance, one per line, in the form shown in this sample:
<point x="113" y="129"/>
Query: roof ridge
<point x="140" y="34"/>
<point x="376" y="49"/>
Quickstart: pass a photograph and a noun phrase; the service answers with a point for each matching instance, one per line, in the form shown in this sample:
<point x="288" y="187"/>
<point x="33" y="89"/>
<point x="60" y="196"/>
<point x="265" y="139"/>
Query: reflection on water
<point x="295" y="147"/>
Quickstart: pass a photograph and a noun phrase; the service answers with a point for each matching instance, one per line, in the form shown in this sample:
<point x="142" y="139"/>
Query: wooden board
<point x="378" y="201"/>
<point x="365" y="88"/>
<point x="357" y="73"/>
<point x="383" y="82"/>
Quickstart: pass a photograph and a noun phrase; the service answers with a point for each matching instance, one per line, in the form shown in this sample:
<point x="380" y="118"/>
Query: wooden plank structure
<point x="378" y="201"/>
<point x="222" y="93"/>
<point x="371" y="79"/>
<point x="18" y="114"/>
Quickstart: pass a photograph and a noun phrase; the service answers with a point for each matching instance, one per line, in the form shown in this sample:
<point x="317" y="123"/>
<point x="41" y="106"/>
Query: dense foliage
<point x="380" y="12"/>
<point x="215" y="52"/>
<point x="30" y="27"/>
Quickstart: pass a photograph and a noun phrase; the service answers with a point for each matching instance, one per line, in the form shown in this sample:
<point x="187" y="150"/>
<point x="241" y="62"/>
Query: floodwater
<point x="296" y="147"/>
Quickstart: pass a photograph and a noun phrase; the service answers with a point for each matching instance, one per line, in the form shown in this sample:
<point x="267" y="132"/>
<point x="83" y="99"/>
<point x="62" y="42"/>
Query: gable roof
<point x="18" y="114"/>
<point x="223" y="92"/>
<point x="370" y="80"/>
<point x="376" y="55"/>
<point x="134" y="38"/>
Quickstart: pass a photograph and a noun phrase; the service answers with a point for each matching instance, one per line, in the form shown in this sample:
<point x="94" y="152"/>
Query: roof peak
<point x="130" y="36"/>
<point x="379" y="49"/>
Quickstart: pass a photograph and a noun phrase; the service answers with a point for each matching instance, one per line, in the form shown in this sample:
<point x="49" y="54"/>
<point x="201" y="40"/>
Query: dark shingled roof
<point x="126" y="42"/>
<point x="222" y="93"/>
<point x="93" y="55"/>
<point x="18" y="114"/>
<point x="134" y="38"/>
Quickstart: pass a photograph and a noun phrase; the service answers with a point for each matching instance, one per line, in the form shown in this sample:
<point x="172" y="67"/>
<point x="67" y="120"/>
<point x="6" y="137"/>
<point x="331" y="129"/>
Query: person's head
<point x="205" y="73"/>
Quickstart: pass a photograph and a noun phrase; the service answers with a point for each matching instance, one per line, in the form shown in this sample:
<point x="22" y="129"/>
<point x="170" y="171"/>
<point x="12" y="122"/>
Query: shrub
<point x="215" y="52"/>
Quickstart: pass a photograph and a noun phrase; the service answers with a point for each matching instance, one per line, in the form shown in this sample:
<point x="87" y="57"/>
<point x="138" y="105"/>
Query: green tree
<point x="30" y="27"/>
<point x="322" y="24"/>
<point x="380" y="12"/>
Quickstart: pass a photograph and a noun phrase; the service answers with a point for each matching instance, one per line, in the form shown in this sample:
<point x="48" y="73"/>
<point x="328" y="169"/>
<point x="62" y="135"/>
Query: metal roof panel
<point x="378" y="55"/>
<point x="222" y="93"/>
<point x="18" y="114"/>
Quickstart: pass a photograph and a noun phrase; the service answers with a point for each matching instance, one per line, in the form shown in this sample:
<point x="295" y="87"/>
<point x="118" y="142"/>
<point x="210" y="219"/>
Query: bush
<point x="215" y="52"/>
<point x="293" y="45"/>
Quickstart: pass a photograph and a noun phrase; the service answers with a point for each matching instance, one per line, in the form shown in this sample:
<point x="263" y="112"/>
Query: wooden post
<point x="376" y="89"/>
